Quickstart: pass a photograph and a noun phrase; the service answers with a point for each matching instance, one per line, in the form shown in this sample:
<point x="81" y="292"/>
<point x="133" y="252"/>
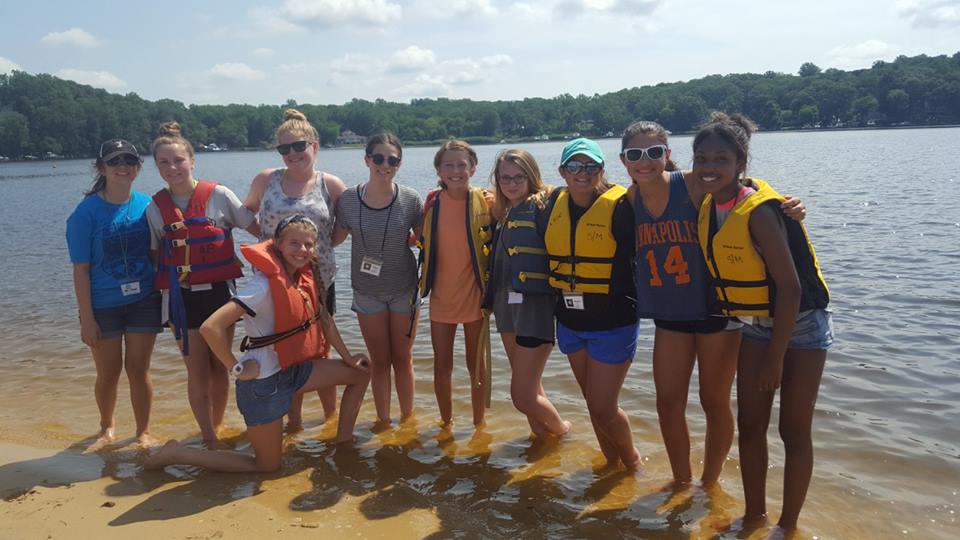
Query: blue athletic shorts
<point x="812" y="331"/>
<point x="262" y="401"/>
<point x="140" y="317"/>
<point x="614" y="346"/>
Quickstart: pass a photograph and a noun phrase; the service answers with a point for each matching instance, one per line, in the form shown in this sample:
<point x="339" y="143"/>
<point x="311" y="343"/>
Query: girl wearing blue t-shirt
<point x="109" y="243"/>
<point x="673" y="289"/>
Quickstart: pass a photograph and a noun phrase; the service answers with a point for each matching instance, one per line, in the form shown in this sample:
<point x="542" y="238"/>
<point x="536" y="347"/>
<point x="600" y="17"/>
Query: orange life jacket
<point x="193" y="248"/>
<point x="293" y="305"/>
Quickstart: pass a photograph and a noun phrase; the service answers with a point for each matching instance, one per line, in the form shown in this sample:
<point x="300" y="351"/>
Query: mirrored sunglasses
<point x="127" y="159"/>
<point x="574" y="167"/>
<point x="298" y="146"/>
<point x="378" y="159"/>
<point x="653" y="152"/>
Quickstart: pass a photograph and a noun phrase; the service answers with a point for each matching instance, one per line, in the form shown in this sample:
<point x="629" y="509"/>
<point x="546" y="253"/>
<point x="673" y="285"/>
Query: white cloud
<point x="268" y="21"/>
<point x="330" y="13"/>
<point x="6" y="66"/>
<point x="638" y="8"/>
<point x="930" y="13"/>
<point x="299" y="67"/>
<point x="861" y="55"/>
<point x="237" y="71"/>
<point x="412" y="58"/>
<point x="461" y="71"/>
<point x="76" y="37"/>
<point x="439" y="9"/>
<point x="99" y="79"/>
<point x="352" y="64"/>
<point x="424" y="85"/>
<point x="263" y="52"/>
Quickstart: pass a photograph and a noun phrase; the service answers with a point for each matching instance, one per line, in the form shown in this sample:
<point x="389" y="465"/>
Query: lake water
<point x="884" y="218"/>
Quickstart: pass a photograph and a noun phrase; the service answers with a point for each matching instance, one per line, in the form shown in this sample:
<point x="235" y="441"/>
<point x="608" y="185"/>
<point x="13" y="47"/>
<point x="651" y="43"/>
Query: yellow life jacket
<point x="739" y="273"/>
<point x="478" y="237"/>
<point x="582" y="260"/>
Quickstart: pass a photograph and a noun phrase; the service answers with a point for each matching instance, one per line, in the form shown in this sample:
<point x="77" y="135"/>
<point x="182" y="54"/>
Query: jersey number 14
<point x="674" y="265"/>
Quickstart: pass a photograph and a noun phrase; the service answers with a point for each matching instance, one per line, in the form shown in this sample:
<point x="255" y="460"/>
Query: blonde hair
<point x="454" y="145"/>
<point x="296" y="122"/>
<point x="169" y="133"/>
<point x="537" y="192"/>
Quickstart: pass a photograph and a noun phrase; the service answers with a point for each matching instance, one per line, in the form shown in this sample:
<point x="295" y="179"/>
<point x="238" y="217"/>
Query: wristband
<point x="236" y="370"/>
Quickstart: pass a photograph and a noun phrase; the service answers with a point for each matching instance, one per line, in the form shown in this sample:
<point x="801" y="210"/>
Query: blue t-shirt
<point x="115" y="240"/>
<point x="671" y="275"/>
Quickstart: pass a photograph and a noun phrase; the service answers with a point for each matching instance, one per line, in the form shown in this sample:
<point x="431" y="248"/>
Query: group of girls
<point x="701" y="252"/>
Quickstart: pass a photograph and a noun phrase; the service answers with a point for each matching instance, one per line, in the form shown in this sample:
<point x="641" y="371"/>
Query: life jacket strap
<point x="516" y="250"/>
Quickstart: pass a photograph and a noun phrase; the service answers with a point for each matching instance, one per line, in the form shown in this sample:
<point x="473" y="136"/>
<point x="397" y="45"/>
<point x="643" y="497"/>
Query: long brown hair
<point x="538" y="192"/>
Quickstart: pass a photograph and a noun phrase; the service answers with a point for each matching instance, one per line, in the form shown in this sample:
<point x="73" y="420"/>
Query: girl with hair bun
<point x="298" y="187"/>
<point x="109" y="242"/>
<point x="765" y="272"/>
<point x="191" y="222"/>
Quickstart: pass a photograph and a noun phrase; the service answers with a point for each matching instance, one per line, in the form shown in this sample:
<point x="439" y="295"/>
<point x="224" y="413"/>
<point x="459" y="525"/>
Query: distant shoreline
<point x="514" y="140"/>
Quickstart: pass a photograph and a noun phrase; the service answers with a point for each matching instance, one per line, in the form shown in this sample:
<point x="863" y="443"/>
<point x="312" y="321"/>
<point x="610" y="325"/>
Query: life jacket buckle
<point x="522" y="276"/>
<point x="512" y="251"/>
<point x="179" y="242"/>
<point x="177" y="225"/>
<point x="183" y="268"/>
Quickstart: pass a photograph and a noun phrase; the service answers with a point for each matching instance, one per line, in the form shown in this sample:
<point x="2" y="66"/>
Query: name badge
<point x="573" y="300"/>
<point x="130" y="288"/>
<point x="371" y="266"/>
<point x="514" y="297"/>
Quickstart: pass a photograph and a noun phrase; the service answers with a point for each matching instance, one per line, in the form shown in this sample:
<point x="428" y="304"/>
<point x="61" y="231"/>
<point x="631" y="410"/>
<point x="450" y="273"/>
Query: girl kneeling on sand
<point x="282" y="348"/>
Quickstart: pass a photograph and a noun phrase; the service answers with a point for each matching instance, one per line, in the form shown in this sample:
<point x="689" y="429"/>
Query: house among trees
<point x="349" y="137"/>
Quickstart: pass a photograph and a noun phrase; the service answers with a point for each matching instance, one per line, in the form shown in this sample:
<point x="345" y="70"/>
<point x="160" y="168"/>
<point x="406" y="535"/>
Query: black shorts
<point x="202" y="304"/>
<point x="710" y="325"/>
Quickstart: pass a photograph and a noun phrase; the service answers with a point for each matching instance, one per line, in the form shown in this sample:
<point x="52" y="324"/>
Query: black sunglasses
<point x="378" y="159"/>
<point x="298" y="146"/>
<point x="636" y="154"/>
<point x="574" y="167"/>
<point x="127" y="159"/>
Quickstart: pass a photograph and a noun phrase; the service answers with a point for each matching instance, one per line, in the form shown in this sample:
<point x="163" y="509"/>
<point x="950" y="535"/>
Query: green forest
<point x="43" y="116"/>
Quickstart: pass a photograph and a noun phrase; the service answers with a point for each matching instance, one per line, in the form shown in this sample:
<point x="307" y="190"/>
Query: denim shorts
<point x="614" y="346"/>
<point x="262" y="401"/>
<point x="140" y="317"/>
<point x="366" y="304"/>
<point x="814" y="330"/>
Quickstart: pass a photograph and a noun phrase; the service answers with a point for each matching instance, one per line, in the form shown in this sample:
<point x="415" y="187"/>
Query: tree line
<point x="42" y="115"/>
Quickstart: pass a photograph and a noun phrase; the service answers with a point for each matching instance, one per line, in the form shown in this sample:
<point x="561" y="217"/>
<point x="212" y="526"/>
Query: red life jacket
<point x="293" y="304"/>
<point x="193" y="247"/>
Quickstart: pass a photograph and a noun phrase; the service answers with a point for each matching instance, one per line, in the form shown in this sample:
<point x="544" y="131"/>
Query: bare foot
<point x="145" y="440"/>
<point x="293" y="427"/>
<point x="566" y="428"/>
<point x="381" y="425"/>
<point x="635" y="464"/>
<point x="106" y="435"/>
<point x="750" y="522"/>
<point x="166" y="455"/>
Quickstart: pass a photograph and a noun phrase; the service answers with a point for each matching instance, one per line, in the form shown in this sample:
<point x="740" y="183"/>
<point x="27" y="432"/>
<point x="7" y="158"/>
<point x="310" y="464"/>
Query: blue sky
<point x="331" y="51"/>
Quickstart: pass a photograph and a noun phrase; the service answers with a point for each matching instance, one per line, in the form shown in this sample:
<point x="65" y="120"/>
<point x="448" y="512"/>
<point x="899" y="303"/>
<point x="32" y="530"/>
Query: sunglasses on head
<point x="127" y="159"/>
<point x="298" y="146"/>
<point x="378" y="159"/>
<point x="656" y="151"/>
<point x="504" y="180"/>
<point x="290" y="220"/>
<point x="574" y="167"/>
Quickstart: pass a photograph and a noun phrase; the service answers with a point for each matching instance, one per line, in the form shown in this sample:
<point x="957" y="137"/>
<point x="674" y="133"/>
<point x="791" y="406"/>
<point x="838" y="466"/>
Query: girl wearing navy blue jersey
<point x="673" y="288"/>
